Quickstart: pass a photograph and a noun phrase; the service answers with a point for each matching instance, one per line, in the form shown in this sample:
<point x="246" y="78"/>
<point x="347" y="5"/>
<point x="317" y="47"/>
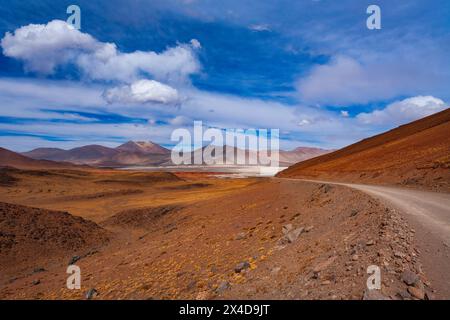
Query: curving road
<point x="429" y="214"/>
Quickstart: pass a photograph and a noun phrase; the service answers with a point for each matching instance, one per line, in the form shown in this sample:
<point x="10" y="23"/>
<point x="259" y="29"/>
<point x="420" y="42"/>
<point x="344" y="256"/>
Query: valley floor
<point x="194" y="236"/>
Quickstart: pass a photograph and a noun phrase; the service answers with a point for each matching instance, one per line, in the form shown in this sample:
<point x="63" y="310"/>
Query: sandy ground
<point x="194" y="236"/>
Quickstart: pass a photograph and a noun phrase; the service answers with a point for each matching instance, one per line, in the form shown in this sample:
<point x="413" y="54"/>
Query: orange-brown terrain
<point x="195" y="235"/>
<point x="416" y="155"/>
<point x="142" y="235"/>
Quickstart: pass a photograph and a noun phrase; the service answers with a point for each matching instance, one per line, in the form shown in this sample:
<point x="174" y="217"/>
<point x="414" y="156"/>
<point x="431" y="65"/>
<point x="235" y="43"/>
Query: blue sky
<point x="140" y="69"/>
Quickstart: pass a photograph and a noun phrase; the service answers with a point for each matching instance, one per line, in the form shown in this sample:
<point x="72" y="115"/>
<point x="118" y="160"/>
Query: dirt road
<point x="429" y="214"/>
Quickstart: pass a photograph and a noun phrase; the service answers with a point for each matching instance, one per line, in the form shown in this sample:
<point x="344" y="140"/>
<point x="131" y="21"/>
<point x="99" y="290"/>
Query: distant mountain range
<point x="144" y="153"/>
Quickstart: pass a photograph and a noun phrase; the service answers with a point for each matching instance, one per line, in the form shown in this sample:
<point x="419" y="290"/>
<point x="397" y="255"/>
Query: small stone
<point x="355" y="257"/>
<point x="287" y="228"/>
<point x="404" y="295"/>
<point x="241" y="236"/>
<point x="370" y="243"/>
<point x="191" y="285"/>
<point x="399" y="254"/>
<point x="224" y="285"/>
<point x="38" y="270"/>
<point x="91" y="293"/>
<point x="326" y="188"/>
<point x="416" y="293"/>
<point x="322" y="266"/>
<point x="275" y="270"/>
<point x="294" y="234"/>
<point x="409" y="277"/>
<point x="326" y="282"/>
<point x="354" y="213"/>
<point x="309" y="229"/>
<point x="36" y="282"/>
<point x="241" y="266"/>
<point x="74" y="260"/>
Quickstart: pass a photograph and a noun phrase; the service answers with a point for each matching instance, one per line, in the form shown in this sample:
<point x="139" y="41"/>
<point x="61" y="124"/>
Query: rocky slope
<point x="416" y="154"/>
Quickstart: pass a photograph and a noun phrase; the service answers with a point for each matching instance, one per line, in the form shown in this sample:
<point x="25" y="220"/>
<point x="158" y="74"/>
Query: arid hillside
<point x="12" y="159"/>
<point x="416" y="155"/>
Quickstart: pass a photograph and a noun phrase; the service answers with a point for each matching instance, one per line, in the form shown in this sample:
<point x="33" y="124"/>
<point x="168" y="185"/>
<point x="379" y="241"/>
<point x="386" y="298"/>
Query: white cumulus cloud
<point x="42" y="48"/>
<point x="404" y="111"/>
<point x="142" y="91"/>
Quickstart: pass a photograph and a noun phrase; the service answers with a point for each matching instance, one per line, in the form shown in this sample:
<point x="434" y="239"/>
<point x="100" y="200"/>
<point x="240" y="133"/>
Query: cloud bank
<point x="44" y="47"/>
<point x="404" y="111"/>
<point x="349" y="81"/>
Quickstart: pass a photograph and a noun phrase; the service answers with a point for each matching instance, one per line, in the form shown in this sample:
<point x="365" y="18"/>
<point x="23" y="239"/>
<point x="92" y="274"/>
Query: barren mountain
<point x="91" y="154"/>
<point x="130" y="153"/>
<point x="144" y="147"/>
<point x="301" y="154"/>
<point x="147" y="153"/>
<point x="12" y="159"/>
<point x="238" y="156"/>
<point x="416" y="154"/>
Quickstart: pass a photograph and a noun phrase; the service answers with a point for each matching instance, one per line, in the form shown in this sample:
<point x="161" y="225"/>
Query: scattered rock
<point x="290" y="235"/>
<point x="275" y="270"/>
<point x="429" y="296"/>
<point x="410" y="278"/>
<point x="370" y="243"/>
<point x="355" y="257"/>
<point x="325" y="188"/>
<point x="287" y="228"/>
<point x="294" y="234"/>
<point x="241" y="266"/>
<point x="354" y="213"/>
<point x="36" y="282"/>
<point x="241" y="236"/>
<point x="92" y="293"/>
<point x="322" y="266"/>
<point x="404" y="295"/>
<point x="417" y="293"/>
<point x="374" y="295"/>
<point x="192" y="285"/>
<point x="39" y="270"/>
<point x="224" y="285"/>
<point x="74" y="260"/>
